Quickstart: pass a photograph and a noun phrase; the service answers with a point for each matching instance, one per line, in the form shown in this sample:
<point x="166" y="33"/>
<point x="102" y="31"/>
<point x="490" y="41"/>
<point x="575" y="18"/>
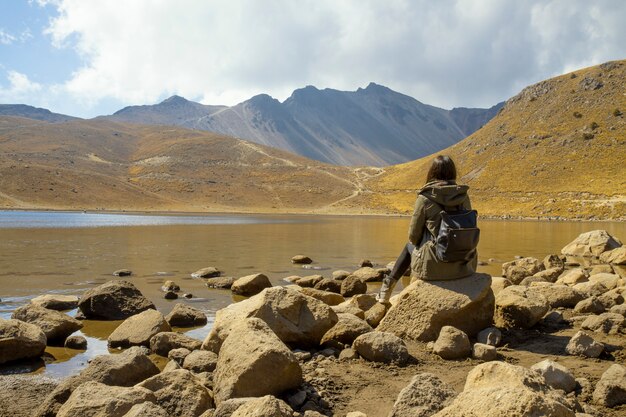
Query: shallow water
<point x="45" y="252"/>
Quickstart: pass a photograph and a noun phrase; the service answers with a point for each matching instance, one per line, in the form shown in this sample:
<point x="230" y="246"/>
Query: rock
<point x="350" y="414"/>
<point x="466" y="303"/>
<point x="519" y="269"/>
<point x="183" y="315"/>
<point x="452" y="343"/>
<point x="170" y="286"/>
<point x="601" y="269"/>
<point x="619" y="309"/>
<point x="611" y="298"/>
<point x="57" y="326"/>
<point x="179" y="393"/>
<point x="590" y="244"/>
<point x="76" y="342"/>
<point x="200" y="361"/>
<point x="610" y="281"/>
<point x="495" y="389"/>
<point x="163" y="342"/>
<point x="309" y="281"/>
<point x="171" y="366"/>
<point x="56" y="301"/>
<point x="424" y="396"/>
<point x="96" y="399"/>
<point x="519" y="307"/>
<point x="114" y="300"/>
<point x="20" y="340"/>
<point x="573" y="277"/>
<point x="483" y="352"/>
<point x="170" y="295"/>
<point x="615" y="256"/>
<point x="228" y="407"/>
<point x="556" y="375"/>
<point x="340" y="275"/>
<point x="490" y="336"/>
<point x="208" y="272"/>
<point x="348" y="354"/>
<point x="295" y="318"/>
<point x="365" y="263"/>
<point x="611" y="389"/>
<point x="253" y="353"/>
<point x="328" y="285"/>
<point x="138" y="329"/>
<point x="589" y="305"/>
<point x="374" y="315"/>
<point x="301" y="259"/>
<point x="250" y="285"/>
<point x="559" y="295"/>
<point x="368" y="274"/>
<point x="267" y="406"/>
<point x="178" y="355"/>
<point x="553" y="318"/>
<point x="302" y="355"/>
<point x="348" y="328"/>
<point x="326" y="297"/>
<point x="364" y="301"/>
<point x="528" y="281"/>
<point x="220" y="282"/>
<point x="353" y="285"/>
<point x="349" y="307"/>
<point x="553" y="261"/>
<point x="296" y="400"/>
<point x="607" y="323"/>
<point x="381" y="347"/>
<point x="499" y="283"/>
<point x="548" y="275"/>
<point x="146" y="409"/>
<point x="591" y="288"/>
<point x="581" y="344"/>
<point x="123" y="273"/>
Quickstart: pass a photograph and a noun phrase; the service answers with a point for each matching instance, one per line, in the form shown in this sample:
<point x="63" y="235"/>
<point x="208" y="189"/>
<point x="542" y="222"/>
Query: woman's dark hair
<point x="442" y="169"/>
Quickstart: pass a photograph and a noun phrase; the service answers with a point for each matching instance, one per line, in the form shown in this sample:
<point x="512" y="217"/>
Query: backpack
<point x="458" y="235"/>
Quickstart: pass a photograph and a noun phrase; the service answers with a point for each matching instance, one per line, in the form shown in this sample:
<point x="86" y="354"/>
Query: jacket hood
<point x="445" y="193"/>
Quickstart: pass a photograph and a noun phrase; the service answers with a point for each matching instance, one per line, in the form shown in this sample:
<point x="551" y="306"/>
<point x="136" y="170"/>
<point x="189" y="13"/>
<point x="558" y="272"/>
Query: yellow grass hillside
<point x="556" y="149"/>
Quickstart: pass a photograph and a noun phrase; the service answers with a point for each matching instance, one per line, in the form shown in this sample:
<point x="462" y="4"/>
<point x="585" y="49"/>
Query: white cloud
<point x="447" y="53"/>
<point x="6" y="38"/>
<point x="19" y="87"/>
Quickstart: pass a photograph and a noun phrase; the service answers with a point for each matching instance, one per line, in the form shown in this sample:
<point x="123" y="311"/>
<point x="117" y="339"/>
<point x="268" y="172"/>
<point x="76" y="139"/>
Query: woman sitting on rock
<point x="440" y="194"/>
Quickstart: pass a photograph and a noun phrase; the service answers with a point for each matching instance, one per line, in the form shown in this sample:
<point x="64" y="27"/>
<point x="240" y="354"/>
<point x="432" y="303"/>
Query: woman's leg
<point x="402" y="264"/>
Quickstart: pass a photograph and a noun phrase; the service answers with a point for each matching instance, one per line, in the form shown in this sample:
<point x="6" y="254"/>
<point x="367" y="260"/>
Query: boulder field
<point x="546" y="338"/>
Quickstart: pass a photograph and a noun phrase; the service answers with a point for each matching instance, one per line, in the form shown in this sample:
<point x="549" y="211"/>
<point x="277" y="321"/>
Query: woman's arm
<point x="418" y="221"/>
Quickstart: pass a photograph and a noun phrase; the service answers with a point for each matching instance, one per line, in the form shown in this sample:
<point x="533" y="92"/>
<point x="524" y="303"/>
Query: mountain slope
<point x="370" y="126"/>
<point x="23" y="110"/>
<point x="558" y="148"/>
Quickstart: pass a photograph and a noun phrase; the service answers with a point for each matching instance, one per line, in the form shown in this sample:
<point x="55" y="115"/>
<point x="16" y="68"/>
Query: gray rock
<point x="57" y="326"/>
<point x="200" y="361"/>
<point x="591" y="244"/>
<point x="123" y="273"/>
<point x="425" y="395"/>
<point x="137" y="330"/>
<point x="490" y="336"/>
<point x="57" y="302"/>
<point x="611" y="389"/>
<point x="179" y="393"/>
<point x="556" y="375"/>
<point x="20" y="340"/>
<point x="483" y="352"/>
<point x="348" y="354"/>
<point x="162" y="343"/>
<point x="170" y="295"/>
<point x="183" y="315"/>
<point x="114" y="300"/>
<point x="250" y="285"/>
<point x="452" y="343"/>
<point x="581" y="344"/>
<point x="381" y="347"/>
<point x="208" y="272"/>
<point x="76" y="342"/>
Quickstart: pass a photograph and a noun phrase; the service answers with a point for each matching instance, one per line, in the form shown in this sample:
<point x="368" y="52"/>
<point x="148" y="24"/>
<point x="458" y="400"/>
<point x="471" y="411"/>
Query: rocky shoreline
<point x="548" y="337"/>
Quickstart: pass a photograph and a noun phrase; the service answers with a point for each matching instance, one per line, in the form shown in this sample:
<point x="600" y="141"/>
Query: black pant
<point x="403" y="263"/>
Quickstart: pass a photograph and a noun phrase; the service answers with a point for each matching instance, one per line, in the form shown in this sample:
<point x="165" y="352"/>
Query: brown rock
<point x="220" y="282"/>
<point x="138" y="329"/>
<point x="519" y="307"/>
<point x="326" y="297"/>
<point x="179" y="393"/>
<point x="93" y="399"/>
<point x="114" y="300"/>
<point x="163" y="342"/>
<point x="250" y="285"/>
<point x="208" y="272"/>
<point x="183" y="315"/>
<point x="57" y="326"/>
<point x="301" y="259"/>
<point x="348" y="328"/>
<point x="381" y="347"/>
<point x="616" y="256"/>
<point x="20" y="340"/>
<point x="590" y="244"/>
<point x="57" y="302"/>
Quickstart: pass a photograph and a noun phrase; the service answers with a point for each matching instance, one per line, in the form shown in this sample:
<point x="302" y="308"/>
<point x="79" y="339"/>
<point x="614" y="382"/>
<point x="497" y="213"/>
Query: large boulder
<point x="424" y="396"/>
<point x="162" y="343"/>
<point x="615" y="256"/>
<point x="590" y="244"/>
<point x="496" y="389"/>
<point x="348" y="328"/>
<point x="608" y="323"/>
<point x="556" y="375"/>
<point x="250" y="354"/>
<point x="559" y="295"/>
<point x="267" y="406"/>
<point x="250" y="284"/>
<point x="200" y="361"/>
<point x="183" y="315"/>
<point x="519" y="307"/>
<point x="295" y="318"/>
<point x="611" y="389"/>
<point x="58" y="302"/>
<point x="383" y="347"/>
<point x="20" y="340"/>
<point x="114" y="300"/>
<point x="94" y="399"/>
<point x="581" y="344"/>
<point x="180" y="393"/>
<point x="138" y="329"/>
<point x="515" y="271"/>
<point x="56" y="325"/>
<point x="424" y="307"/>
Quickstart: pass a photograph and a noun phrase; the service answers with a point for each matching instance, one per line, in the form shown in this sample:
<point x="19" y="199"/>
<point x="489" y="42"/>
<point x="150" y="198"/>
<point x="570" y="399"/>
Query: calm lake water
<point x="51" y="252"/>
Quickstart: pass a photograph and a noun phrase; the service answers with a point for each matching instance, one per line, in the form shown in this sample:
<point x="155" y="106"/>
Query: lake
<point x="66" y="252"/>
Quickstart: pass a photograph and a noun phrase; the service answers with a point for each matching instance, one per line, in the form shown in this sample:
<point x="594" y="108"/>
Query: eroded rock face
<point x="96" y="399"/>
<point x="590" y="244"/>
<point x="183" y="315"/>
<point x="56" y="325"/>
<point x="296" y="319"/>
<point x="57" y="302"/>
<point x="264" y="407"/>
<point x="114" y="300"/>
<point x="250" y="285"/>
<point x="383" y="347"/>
<point x="179" y="393"/>
<point x="425" y="395"/>
<point x="138" y="329"/>
<point x="519" y="307"/>
<point x="20" y="340"/>
<point x="611" y="389"/>
<point x="500" y="389"/>
<point x="250" y="354"/>
<point x="466" y="303"/>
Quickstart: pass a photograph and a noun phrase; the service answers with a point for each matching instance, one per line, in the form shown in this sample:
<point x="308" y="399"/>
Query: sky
<point x="92" y="57"/>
